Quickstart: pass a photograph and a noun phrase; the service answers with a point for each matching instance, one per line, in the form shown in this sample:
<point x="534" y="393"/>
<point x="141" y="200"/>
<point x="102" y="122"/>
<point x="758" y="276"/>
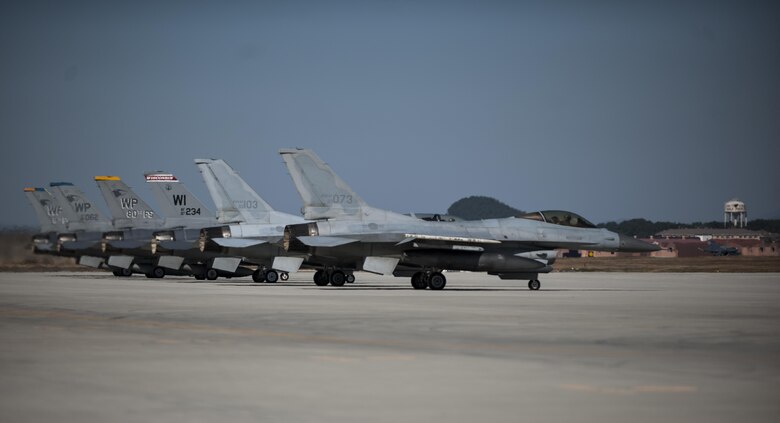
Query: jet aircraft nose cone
<point x="633" y="245"/>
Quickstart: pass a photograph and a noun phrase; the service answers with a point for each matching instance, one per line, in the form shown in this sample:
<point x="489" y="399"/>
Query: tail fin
<point x="325" y="195"/>
<point x="178" y="205"/>
<point x="127" y="209"/>
<point x="236" y="201"/>
<point x="48" y="210"/>
<point x="81" y="214"/>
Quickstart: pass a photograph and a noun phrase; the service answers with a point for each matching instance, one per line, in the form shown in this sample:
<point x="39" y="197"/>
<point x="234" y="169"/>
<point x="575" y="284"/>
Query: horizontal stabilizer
<point x="450" y="239"/>
<point x="170" y="262"/>
<point x="226" y="264"/>
<point x="380" y="265"/>
<point x="90" y="261"/>
<point x="287" y="264"/>
<point x="238" y="242"/>
<point x="325" y="241"/>
<point x="122" y="262"/>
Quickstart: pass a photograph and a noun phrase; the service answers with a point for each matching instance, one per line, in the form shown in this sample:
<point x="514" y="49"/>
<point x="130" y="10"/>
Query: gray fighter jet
<point x="139" y="231"/>
<point x="73" y="226"/>
<point x="178" y="246"/>
<point x="85" y="227"/>
<point x="349" y="234"/>
<point x="255" y="228"/>
<point x="50" y="217"/>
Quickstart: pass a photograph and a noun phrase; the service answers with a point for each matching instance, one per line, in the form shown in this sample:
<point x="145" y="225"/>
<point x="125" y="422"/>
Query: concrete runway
<point x="599" y="347"/>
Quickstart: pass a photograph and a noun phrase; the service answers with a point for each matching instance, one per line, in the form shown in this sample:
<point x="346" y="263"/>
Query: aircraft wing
<point x="238" y="242"/>
<point x="127" y="244"/>
<point x="80" y="245"/>
<point x="325" y="241"/>
<point x="443" y="239"/>
<point x="178" y="245"/>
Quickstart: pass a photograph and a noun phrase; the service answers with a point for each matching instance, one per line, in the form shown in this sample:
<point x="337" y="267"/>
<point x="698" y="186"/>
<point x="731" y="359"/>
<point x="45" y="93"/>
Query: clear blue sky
<point x="613" y="109"/>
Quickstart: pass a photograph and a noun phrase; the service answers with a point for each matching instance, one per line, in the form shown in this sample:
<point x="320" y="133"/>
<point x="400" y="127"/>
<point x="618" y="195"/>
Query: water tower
<point x="734" y="214"/>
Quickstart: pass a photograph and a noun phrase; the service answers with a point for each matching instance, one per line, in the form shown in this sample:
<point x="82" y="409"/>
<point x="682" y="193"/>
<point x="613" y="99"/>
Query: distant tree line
<point x="644" y="228"/>
<point x="481" y="207"/>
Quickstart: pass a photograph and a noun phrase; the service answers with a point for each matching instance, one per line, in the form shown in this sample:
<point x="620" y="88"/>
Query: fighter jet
<point x="84" y="228"/>
<point x="255" y="228"/>
<point x="349" y="234"/>
<point x="178" y="246"/>
<point x="48" y="211"/>
<point x="139" y="231"/>
<point x="74" y="228"/>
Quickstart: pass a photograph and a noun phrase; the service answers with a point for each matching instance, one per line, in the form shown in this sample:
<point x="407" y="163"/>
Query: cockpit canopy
<point x="559" y="217"/>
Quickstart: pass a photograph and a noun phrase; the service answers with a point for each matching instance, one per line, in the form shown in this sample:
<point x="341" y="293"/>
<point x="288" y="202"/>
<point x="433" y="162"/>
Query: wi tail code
<point x="180" y="200"/>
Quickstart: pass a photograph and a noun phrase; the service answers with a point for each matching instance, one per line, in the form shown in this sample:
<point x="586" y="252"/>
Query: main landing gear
<point x="156" y="273"/>
<point x="534" y="284"/>
<point x="333" y="277"/>
<point x="270" y="276"/>
<point x="432" y="280"/>
<point x="122" y="272"/>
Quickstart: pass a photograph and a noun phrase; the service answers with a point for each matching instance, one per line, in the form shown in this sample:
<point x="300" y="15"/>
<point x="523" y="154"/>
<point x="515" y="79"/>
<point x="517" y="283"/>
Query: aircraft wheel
<point x="158" y="272"/>
<point x="284" y="276"/>
<point x="350" y="278"/>
<point x="437" y="281"/>
<point x="117" y="273"/>
<point x="200" y="277"/>
<point x="271" y="276"/>
<point x="258" y="276"/>
<point x="534" y="284"/>
<point x="418" y="281"/>
<point x="321" y="278"/>
<point x="211" y="274"/>
<point x="149" y="275"/>
<point x="338" y="278"/>
<point x="125" y="272"/>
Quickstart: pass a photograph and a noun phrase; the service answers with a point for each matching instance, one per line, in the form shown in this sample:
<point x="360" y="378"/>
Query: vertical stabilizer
<point x="127" y="209"/>
<point x="178" y="206"/>
<point x="81" y="213"/>
<point x="48" y="210"/>
<point x="236" y="201"/>
<point x="325" y="195"/>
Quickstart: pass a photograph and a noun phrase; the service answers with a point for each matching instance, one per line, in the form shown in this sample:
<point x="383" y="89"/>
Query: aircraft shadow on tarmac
<point x="310" y="286"/>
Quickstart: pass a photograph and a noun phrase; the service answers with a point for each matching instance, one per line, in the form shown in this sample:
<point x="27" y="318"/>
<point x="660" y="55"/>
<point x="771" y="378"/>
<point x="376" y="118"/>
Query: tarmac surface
<point x="596" y="347"/>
